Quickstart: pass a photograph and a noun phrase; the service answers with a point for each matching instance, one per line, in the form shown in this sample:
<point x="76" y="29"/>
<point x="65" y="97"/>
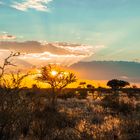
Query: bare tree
<point x="17" y="79"/>
<point x="7" y="62"/>
<point x="12" y="105"/>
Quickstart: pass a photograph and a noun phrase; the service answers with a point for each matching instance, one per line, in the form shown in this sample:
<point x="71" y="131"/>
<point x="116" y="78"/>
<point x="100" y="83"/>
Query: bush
<point x="66" y="95"/>
<point x="119" y="103"/>
<point x="83" y="94"/>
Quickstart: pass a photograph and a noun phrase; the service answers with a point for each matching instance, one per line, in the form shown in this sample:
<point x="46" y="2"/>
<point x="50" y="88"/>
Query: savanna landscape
<point x="69" y="70"/>
<point x="59" y="113"/>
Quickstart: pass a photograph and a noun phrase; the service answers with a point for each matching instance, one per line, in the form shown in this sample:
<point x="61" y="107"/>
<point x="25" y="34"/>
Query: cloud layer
<point x="39" y="5"/>
<point x="7" y="37"/>
<point x="38" y="53"/>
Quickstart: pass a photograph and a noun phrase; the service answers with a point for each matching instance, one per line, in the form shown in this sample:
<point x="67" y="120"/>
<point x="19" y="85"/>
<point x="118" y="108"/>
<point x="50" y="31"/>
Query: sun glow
<point x="54" y="72"/>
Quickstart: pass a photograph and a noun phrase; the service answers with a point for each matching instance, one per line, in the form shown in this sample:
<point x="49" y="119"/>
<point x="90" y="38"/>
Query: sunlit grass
<point x="31" y="80"/>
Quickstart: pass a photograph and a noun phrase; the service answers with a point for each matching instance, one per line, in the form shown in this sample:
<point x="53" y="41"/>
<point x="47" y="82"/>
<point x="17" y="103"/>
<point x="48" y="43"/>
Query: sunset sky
<point x="91" y="30"/>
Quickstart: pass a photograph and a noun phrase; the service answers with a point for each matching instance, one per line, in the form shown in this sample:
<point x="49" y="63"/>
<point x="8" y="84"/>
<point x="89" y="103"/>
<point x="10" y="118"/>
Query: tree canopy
<point x="56" y="77"/>
<point x="117" y="84"/>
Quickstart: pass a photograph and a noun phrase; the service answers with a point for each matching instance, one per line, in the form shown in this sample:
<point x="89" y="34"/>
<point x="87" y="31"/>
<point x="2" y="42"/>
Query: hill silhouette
<point x="105" y="70"/>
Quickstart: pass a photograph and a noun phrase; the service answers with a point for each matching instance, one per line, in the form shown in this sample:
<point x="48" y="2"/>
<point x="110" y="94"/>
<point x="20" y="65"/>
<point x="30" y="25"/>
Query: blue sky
<point x="114" y="24"/>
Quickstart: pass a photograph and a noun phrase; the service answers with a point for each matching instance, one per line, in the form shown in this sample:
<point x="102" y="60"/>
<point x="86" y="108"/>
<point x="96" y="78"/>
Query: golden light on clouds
<point x="7" y="37"/>
<point x="35" y="53"/>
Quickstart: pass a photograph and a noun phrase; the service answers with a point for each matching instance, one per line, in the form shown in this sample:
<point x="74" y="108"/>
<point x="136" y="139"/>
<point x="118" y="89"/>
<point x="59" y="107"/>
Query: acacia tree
<point x="57" y="78"/>
<point x="117" y="84"/>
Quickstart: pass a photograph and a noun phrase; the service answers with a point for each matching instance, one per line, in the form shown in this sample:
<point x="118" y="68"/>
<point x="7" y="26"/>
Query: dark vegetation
<point x="59" y="113"/>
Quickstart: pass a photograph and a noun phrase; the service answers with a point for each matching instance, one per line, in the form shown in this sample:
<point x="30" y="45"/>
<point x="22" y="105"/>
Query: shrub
<point x="83" y="94"/>
<point x="66" y="95"/>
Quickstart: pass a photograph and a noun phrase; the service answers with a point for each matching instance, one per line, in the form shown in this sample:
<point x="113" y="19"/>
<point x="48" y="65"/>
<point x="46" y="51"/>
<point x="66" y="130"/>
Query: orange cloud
<point x="7" y="37"/>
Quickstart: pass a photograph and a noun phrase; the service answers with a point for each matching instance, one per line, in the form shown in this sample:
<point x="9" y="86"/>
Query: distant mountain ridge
<point x="105" y="70"/>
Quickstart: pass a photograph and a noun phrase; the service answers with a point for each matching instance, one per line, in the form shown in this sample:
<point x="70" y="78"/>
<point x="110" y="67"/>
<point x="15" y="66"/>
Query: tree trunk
<point x="53" y="98"/>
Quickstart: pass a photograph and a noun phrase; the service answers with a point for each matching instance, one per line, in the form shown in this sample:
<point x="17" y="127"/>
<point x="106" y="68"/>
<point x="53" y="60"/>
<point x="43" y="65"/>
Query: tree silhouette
<point x="124" y="83"/>
<point x="7" y="62"/>
<point x="82" y="84"/>
<point x="117" y="84"/>
<point x="56" y="78"/>
<point x="89" y="86"/>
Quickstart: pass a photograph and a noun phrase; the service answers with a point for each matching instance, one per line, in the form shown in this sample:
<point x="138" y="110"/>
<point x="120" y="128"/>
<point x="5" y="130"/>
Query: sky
<point x="91" y="30"/>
